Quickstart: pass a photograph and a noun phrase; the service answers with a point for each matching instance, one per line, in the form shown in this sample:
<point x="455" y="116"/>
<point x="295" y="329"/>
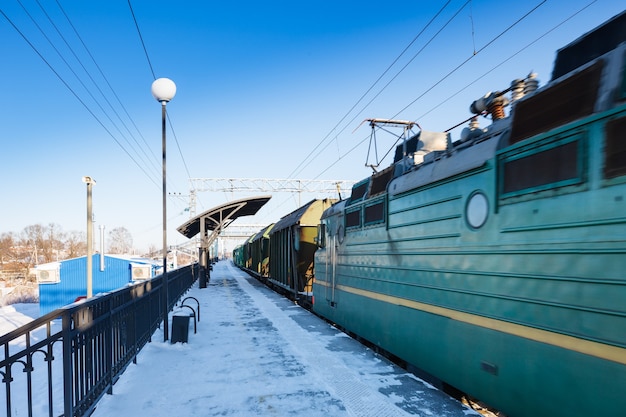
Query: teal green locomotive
<point x="497" y="263"/>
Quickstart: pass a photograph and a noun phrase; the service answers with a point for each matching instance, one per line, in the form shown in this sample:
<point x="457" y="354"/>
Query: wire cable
<point x="130" y="6"/>
<point x="393" y="78"/>
<point x="570" y="17"/>
<point x="299" y="168"/>
<point x="470" y="57"/>
<point x="142" y="155"/>
<point x="64" y="82"/>
<point x="439" y="82"/>
<point x="104" y="77"/>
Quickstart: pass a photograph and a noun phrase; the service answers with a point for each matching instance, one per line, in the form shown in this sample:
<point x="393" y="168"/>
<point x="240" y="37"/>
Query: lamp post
<point x="163" y="90"/>
<point x="90" y="183"/>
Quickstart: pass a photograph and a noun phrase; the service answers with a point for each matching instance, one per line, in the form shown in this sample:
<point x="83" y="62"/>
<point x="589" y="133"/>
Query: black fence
<point x="64" y="362"/>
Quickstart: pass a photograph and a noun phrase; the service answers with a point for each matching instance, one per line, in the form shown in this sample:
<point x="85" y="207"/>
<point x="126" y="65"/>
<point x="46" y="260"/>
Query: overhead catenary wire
<point x="130" y="6"/>
<point x="75" y="94"/>
<point x="311" y="158"/>
<point x="137" y="151"/>
<point x="105" y="78"/>
<point x="132" y="151"/>
<point x="455" y="69"/>
<point x="519" y="51"/>
<point x="301" y="166"/>
<point x="143" y="44"/>
<point x="178" y="144"/>
<point x="395" y="76"/>
<point x="358" y="144"/>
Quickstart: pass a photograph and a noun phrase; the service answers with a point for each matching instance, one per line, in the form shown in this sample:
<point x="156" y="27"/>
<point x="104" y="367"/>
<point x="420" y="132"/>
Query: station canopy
<point x="216" y="219"/>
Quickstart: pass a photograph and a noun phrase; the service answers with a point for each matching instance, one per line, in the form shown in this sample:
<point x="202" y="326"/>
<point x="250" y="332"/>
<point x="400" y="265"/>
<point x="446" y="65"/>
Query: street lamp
<point x="163" y="90"/>
<point x="90" y="183"/>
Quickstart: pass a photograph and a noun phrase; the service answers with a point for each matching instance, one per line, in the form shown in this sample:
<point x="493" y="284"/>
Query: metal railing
<point x="95" y="340"/>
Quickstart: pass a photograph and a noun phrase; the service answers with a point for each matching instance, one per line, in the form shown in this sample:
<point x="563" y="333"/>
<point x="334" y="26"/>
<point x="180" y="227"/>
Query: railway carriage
<point x="497" y="263"/>
<point x="292" y="248"/>
<point x="259" y="252"/>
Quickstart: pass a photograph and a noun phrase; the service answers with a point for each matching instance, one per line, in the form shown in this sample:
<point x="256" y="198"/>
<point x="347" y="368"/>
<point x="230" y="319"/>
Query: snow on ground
<point x="255" y="353"/>
<point x="17" y="315"/>
<point x="12" y="317"/>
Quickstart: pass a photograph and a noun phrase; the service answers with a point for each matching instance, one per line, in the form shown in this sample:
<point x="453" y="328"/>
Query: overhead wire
<point x="138" y="152"/>
<point x="74" y="93"/>
<point x="440" y="80"/>
<point x="143" y="44"/>
<point x="397" y="74"/>
<point x="105" y="78"/>
<point x="471" y="57"/>
<point x="519" y="51"/>
<point x="478" y="78"/>
<point x="299" y="169"/>
<point x="304" y="163"/>
<point x="145" y="49"/>
<point x="310" y="159"/>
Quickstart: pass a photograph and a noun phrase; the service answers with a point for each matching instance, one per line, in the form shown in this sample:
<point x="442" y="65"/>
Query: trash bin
<point x="180" y="329"/>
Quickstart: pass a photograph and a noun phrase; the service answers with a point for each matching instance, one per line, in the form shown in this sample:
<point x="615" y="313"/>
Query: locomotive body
<point x="497" y="263"/>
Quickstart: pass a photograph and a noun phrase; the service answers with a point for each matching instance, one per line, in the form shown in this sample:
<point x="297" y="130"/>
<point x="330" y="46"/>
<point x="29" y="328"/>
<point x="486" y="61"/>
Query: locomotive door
<point x="331" y="261"/>
<point x="336" y="240"/>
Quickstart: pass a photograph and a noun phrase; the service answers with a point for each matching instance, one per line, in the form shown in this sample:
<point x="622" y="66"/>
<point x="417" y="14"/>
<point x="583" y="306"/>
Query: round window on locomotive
<point x="340" y="233"/>
<point x="477" y="210"/>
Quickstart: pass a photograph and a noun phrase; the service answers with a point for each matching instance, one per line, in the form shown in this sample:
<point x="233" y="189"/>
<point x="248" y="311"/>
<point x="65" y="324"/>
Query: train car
<point x="247" y="252"/>
<point x="292" y="249"/>
<point x="242" y="254"/>
<point x="497" y="263"/>
<point x="238" y="256"/>
<point x="259" y="252"/>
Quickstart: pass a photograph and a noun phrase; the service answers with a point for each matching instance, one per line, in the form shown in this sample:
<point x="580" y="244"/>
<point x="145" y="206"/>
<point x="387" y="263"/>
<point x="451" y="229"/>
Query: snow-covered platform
<point x="257" y="354"/>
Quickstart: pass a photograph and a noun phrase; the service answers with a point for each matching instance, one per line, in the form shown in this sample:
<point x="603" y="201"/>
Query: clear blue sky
<point x="260" y="85"/>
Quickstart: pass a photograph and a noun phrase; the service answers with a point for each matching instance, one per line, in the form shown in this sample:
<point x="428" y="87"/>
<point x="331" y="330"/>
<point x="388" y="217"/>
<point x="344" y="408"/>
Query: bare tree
<point x="8" y="255"/>
<point x="152" y="250"/>
<point x="53" y="243"/>
<point x="120" y="240"/>
<point x="32" y="238"/>
<point x="75" y="244"/>
<point x="37" y="244"/>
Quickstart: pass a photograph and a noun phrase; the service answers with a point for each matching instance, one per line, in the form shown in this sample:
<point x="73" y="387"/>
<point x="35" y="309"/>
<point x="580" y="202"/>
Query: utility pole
<point x="90" y="183"/>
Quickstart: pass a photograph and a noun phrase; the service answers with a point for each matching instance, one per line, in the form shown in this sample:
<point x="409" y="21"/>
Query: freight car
<point x="497" y="263"/>
<point x="282" y="254"/>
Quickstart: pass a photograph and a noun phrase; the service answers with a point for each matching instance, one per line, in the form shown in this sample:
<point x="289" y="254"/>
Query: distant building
<point x="61" y="283"/>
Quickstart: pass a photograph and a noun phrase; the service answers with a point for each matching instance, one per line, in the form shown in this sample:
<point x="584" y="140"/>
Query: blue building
<point x="61" y="283"/>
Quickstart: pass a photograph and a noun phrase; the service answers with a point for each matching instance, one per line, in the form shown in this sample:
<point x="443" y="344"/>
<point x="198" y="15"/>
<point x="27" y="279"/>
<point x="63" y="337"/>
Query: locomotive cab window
<point x="320" y="239"/>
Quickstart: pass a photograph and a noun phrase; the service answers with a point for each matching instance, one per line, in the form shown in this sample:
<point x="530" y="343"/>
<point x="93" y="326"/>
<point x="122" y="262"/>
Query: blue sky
<point x="259" y="86"/>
